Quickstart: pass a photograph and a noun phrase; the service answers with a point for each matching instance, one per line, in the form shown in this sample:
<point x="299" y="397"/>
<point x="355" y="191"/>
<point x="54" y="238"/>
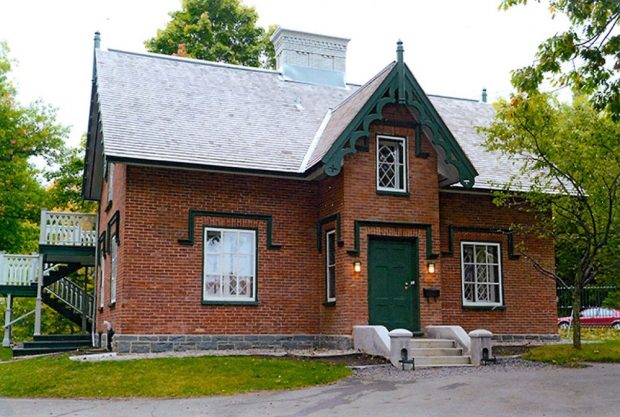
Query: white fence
<point x="68" y="229"/>
<point x="19" y="269"/>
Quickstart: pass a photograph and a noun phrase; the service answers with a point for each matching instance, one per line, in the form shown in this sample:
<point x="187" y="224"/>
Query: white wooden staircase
<point x="67" y="244"/>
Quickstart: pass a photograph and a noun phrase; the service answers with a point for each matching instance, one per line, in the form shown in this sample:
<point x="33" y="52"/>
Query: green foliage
<point x="5" y="354"/>
<point x="31" y="138"/>
<point x="65" y="191"/>
<point x="586" y="57"/>
<point x="26" y="132"/>
<point x="567" y="355"/>
<point x="169" y="377"/>
<point x="51" y="321"/>
<point x="216" y="30"/>
<point x="571" y="160"/>
<point x="598" y="334"/>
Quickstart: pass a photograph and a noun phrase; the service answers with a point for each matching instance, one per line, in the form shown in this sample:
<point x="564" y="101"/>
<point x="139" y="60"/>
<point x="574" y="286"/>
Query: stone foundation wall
<point x="125" y="343"/>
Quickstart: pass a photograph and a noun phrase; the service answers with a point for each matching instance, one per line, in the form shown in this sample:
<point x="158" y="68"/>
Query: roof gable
<point x="395" y="85"/>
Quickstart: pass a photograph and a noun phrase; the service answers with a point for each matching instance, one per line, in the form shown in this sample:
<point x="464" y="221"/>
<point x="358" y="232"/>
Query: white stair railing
<point x="68" y="229"/>
<point x="73" y="296"/>
<point x="19" y="270"/>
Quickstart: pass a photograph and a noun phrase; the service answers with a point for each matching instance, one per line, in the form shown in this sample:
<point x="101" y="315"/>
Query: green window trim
<point x="191" y="222"/>
<point x="101" y="244"/>
<point x="113" y="230"/>
<point x="358" y="224"/>
<point x="319" y="230"/>
<point x="452" y="230"/>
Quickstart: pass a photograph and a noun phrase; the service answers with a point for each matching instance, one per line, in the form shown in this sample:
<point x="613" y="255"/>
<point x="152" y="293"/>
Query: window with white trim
<point x="229" y="265"/>
<point x="391" y="164"/>
<point x="481" y="272"/>
<point x="113" y="267"/>
<point x="330" y="265"/>
<point x="110" y="182"/>
<point x="101" y="281"/>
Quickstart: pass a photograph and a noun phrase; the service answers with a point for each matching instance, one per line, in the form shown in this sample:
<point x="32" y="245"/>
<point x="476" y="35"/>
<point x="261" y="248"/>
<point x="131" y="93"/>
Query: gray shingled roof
<point x="176" y="110"/>
<point x="186" y="111"/>
<point x="462" y="117"/>
<point x="344" y="114"/>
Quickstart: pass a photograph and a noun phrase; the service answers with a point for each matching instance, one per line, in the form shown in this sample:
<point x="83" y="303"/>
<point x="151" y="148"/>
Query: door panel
<point x="392" y="301"/>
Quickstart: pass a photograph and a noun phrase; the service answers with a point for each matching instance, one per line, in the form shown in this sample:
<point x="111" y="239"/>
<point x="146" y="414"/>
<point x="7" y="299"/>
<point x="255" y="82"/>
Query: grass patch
<point x="5" y="354"/>
<point x="60" y="377"/>
<point x="593" y="333"/>
<point x="566" y="355"/>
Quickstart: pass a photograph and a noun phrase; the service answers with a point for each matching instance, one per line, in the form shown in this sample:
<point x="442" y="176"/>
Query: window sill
<point x="229" y="302"/>
<point x="329" y="304"/>
<point x="484" y="308"/>
<point x="394" y="193"/>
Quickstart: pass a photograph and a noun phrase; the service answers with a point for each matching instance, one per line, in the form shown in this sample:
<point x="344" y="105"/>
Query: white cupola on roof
<point x="310" y="58"/>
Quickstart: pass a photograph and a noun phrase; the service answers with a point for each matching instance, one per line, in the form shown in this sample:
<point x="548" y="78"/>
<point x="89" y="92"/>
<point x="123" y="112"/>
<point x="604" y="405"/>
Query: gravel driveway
<point x="513" y="388"/>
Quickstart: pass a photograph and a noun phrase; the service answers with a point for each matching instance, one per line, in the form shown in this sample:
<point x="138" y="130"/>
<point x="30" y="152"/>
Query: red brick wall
<point x="113" y="313"/>
<point x="159" y="284"/>
<point x="161" y="280"/>
<point x="529" y="298"/>
<point x="363" y="203"/>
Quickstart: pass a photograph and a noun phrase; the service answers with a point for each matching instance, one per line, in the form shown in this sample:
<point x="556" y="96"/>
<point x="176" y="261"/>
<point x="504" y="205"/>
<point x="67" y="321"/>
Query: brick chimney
<point x="310" y="58"/>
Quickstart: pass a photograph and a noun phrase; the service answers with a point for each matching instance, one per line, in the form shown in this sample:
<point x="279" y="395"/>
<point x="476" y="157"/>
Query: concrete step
<point x="416" y="352"/>
<point x="63" y="337"/>
<point x="431" y="344"/>
<point x="71" y="344"/>
<point x="428" y="361"/>
<point x="20" y="351"/>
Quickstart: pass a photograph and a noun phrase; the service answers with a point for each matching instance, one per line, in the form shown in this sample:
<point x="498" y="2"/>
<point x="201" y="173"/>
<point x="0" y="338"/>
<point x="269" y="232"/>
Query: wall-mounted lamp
<point x="431" y="267"/>
<point x="357" y="266"/>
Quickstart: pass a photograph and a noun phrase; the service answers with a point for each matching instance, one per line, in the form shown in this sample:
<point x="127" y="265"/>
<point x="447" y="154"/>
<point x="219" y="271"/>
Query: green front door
<point x="393" y="296"/>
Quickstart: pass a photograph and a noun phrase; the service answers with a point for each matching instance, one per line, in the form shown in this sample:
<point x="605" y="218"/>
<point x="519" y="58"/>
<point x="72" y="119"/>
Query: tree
<point x="26" y="132"/>
<point x="65" y="191"/>
<point x="590" y="48"/>
<point x="216" y="30"/>
<point x="29" y="137"/>
<point x="571" y="157"/>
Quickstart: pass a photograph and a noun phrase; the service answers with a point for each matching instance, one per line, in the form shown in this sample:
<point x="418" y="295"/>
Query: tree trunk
<point x="576" y="314"/>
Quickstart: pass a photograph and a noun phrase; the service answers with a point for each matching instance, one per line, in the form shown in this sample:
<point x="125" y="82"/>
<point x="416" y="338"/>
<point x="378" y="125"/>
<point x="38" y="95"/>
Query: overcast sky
<point x="453" y="47"/>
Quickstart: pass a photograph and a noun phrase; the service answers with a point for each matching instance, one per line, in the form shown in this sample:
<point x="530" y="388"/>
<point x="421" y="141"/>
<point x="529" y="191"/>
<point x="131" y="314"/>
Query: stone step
<point x="63" y="337"/>
<point x="71" y="344"/>
<point x="20" y="351"/>
<point x="431" y="344"/>
<point x="416" y="352"/>
<point x="428" y="361"/>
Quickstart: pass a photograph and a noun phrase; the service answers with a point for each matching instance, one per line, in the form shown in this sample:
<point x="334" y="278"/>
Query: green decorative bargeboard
<point x="400" y="87"/>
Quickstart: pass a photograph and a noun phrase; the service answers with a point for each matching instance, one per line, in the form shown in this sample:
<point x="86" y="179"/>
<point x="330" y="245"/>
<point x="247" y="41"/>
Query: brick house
<point x="242" y="207"/>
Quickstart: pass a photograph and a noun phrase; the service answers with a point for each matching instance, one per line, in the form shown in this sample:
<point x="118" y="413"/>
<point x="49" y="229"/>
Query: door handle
<point x="409" y="284"/>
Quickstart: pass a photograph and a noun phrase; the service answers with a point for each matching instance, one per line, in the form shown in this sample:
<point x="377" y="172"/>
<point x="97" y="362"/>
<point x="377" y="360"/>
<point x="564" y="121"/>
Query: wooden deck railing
<point x="73" y="296"/>
<point x="68" y="229"/>
<point x="19" y="270"/>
